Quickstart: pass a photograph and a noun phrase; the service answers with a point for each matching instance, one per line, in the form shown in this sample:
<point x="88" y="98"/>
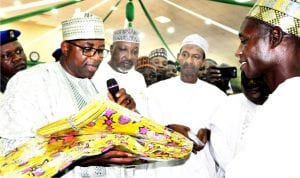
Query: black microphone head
<point x="113" y="87"/>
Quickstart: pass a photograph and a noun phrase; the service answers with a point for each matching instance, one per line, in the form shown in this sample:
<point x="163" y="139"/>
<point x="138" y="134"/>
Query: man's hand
<point x="204" y="135"/>
<point x="213" y="75"/>
<point x="124" y="99"/>
<point x="184" y="131"/>
<point x="110" y="157"/>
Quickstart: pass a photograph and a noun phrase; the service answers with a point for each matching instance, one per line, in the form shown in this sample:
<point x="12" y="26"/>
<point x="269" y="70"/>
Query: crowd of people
<point x="250" y="134"/>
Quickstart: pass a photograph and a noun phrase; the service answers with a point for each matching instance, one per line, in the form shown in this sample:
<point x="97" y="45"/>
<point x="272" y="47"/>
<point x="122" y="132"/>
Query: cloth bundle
<point x="98" y="127"/>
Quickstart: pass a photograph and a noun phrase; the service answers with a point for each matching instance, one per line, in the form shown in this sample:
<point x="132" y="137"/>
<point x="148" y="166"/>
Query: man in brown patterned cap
<point x="147" y="68"/>
<point x="270" y="47"/>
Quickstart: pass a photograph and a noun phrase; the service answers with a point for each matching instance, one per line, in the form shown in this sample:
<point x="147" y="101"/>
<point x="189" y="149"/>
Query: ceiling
<point x="187" y="17"/>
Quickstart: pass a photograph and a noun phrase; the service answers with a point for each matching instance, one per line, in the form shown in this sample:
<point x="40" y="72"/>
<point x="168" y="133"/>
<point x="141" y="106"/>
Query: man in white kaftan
<point x="270" y="147"/>
<point x="51" y="91"/>
<point x="132" y="81"/>
<point x="187" y="101"/>
<point x="124" y="55"/>
<point x="270" y="48"/>
<point x="230" y="123"/>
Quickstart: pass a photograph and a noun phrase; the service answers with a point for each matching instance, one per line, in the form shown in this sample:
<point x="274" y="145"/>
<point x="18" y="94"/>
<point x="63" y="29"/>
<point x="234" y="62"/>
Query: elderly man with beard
<point x="124" y="55"/>
<point x="13" y="58"/>
<point x="185" y="103"/>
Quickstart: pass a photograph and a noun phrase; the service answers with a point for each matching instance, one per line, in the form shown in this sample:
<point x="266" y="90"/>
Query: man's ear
<point x="64" y="48"/>
<point x="276" y="36"/>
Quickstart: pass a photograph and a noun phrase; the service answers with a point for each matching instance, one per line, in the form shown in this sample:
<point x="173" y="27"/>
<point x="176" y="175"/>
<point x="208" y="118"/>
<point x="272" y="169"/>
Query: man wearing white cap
<point x="270" y="43"/>
<point x="48" y="92"/>
<point x="124" y="55"/>
<point x="189" y="103"/>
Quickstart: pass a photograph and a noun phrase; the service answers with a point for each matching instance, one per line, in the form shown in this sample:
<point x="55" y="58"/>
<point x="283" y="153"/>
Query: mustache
<point x="127" y="64"/>
<point x="189" y="66"/>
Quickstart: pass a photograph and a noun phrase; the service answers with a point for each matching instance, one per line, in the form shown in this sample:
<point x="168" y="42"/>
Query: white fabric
<point x="174" y="102"/>
<point x="271" y="143"/>
<point x="228" y="127"/>
<point x="133" y="82"/>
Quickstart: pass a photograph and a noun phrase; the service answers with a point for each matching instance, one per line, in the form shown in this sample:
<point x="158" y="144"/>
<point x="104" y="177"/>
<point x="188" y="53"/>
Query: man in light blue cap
<point x="13" y="58"/>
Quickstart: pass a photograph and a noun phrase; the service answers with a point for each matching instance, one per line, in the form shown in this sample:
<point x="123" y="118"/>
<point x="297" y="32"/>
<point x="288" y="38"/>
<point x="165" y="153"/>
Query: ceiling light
<point x="114" y="8"/>
<point x="110" y="31"/>
<point x="170" y="29"/>
<point x="141" y="35"/>
<point x="17" y="3"/>
<point x="77" y="10"/>
<point x="2" y="14"/>
<point x="162" y="19"/>
<point x="208" y="22"/>
<point x="54" y="11"/>
<point x="242" y="1"/>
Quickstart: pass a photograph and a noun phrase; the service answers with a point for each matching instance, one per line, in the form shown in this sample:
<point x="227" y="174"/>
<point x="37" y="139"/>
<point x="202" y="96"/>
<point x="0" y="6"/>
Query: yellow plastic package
<point x="100" y="126"/>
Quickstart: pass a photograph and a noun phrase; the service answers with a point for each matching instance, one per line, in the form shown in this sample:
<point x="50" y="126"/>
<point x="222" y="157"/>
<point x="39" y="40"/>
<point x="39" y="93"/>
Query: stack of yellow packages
<point x="97" y="128"/>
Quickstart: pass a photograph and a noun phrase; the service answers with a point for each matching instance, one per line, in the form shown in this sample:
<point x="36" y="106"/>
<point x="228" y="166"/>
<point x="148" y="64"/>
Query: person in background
<point x="203" y="70"/>
<point x="171" y="69"/>
<point x="47" y="92"/>
<point x="270" y="43"/>
<point x="230" y="123"/>
<point x="57" y="54"/>
<point x="13" y="58"/>
<point x="212" y="73"/>
<point x="185" y="103"/>
<point x="160" y="59"/>
<point x="145" y="67"/>
<point x="124" y="55"/>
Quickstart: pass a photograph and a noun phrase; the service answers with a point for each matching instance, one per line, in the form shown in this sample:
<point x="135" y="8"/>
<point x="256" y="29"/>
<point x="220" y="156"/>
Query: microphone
<point x="112" y="87"/>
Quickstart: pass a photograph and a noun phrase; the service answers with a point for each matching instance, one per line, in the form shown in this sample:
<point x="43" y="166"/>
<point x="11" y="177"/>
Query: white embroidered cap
<point x="83" y="26"/>
<point x="196" y="39"/>
<point x="127" y="35"/>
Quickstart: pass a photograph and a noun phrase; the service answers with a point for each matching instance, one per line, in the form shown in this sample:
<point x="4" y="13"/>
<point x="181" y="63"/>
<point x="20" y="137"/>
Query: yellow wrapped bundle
<point x="98" y="127"/>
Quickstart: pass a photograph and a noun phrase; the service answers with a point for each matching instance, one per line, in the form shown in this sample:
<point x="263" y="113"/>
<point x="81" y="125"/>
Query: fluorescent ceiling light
<point x="242" y="1"/>
<point x="110" y="31"/>
<point x="54" y="11"/>
<point x="170" y="29"/>
<point x="141" y="35"/>
<point x="114" y="8"/>
<point x="162" y="19"/>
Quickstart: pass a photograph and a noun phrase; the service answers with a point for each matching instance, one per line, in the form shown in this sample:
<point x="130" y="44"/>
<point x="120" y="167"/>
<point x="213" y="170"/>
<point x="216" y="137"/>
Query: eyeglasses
<point x="90" y="52"/>
<point x="10" y="55"/>
<point x="185" y="55"/>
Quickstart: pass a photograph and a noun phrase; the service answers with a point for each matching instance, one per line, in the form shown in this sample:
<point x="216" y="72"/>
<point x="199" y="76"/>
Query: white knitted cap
<point x="196" y="39"/>
<point x="127" y="35"/>
<point x="83" y="26"/>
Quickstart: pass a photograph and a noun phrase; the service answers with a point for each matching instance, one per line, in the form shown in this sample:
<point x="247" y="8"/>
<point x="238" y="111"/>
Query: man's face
<point x="160" y="64"/>
<point x="171" y="71"/>
<point x="254" y="50"/>
<point x="78" y="64"/>
<point x="124" y="56"/>
<point x="13" y="59"/>
<point x="203" y="71"/>
<point x="190" y="59"/>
